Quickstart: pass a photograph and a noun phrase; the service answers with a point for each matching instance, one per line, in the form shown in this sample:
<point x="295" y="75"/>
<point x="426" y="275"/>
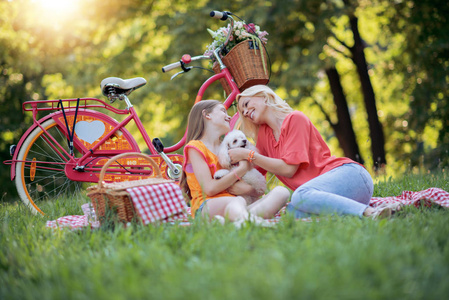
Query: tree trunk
<point x="343" y="129"/>
<point x="375" y="127"/>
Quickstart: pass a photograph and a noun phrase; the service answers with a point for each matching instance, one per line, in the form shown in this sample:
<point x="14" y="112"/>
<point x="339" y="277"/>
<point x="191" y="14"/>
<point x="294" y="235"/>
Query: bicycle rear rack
<point x="84" y="103"/>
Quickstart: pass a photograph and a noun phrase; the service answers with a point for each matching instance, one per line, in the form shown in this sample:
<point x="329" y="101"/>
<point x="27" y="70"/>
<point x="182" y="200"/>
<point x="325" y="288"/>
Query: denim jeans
<point x="345" y="190"/>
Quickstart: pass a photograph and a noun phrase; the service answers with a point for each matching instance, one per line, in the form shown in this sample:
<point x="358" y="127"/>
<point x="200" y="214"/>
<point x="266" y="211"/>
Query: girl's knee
<point x="281" y="192"/>
<point x="238" y="201"/>
<point x="236" y="209"/>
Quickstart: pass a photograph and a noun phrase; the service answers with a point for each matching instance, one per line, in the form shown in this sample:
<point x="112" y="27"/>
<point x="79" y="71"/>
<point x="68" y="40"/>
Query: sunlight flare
<point x="57" y="6"/>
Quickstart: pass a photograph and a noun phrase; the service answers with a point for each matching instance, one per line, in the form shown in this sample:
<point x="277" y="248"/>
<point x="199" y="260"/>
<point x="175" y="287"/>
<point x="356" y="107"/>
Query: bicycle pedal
<point x="158" y="145"/>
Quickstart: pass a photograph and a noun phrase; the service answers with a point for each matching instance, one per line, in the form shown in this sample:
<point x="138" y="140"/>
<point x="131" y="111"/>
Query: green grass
<point x="406" y="257"/>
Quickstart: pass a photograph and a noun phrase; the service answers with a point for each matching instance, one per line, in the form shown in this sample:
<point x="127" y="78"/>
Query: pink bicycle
<point x="69" y="146"/>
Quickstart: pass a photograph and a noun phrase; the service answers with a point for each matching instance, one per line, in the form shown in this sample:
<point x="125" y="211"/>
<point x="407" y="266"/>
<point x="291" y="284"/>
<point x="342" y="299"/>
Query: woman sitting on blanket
<point x="292" y="148"/>
<point x="208" y="122"/>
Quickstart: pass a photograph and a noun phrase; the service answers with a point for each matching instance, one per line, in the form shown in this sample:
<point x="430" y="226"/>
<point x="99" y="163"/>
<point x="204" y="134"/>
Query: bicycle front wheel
<point x="40" y="177"/>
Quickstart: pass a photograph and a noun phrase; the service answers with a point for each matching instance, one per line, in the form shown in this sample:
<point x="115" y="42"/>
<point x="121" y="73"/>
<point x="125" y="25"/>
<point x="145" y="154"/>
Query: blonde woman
<point x="292" y="148"/>
<point x="208" y="122"/>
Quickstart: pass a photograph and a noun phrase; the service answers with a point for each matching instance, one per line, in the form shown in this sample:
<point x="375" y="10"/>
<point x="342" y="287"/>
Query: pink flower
<point x="262" y="36"/>
<point x="251" y="28"/>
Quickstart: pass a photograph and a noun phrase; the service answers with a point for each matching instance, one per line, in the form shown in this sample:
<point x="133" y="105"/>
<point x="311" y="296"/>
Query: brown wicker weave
<point x="111" y="201"/>
<point x="245" y="65"/>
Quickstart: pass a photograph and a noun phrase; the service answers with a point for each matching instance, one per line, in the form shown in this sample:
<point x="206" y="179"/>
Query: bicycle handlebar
<point x="186" y="59"/>
<point x="222" y="15"/>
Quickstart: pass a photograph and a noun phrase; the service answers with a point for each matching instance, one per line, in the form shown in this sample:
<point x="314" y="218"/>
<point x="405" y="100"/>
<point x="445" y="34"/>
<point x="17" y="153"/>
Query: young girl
<point x="291" y="148"/>
<point x="208" y="121"/>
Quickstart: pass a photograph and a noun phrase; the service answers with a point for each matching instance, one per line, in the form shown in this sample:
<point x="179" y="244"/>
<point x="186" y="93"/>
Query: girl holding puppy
<point x="208" y="122"/>
<point x="291" y="148"/>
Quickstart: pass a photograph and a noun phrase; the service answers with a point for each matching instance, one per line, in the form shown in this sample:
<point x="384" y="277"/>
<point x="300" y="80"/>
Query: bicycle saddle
<point x="118" y="86"/>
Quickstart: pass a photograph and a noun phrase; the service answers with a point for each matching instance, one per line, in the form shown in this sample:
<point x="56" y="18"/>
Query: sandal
<point x="381" y="212"/>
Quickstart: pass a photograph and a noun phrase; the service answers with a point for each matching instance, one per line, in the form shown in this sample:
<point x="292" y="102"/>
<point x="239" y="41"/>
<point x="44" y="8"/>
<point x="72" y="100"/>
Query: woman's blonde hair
<point x="195" y="131"/>
<point x="279" y="107"/>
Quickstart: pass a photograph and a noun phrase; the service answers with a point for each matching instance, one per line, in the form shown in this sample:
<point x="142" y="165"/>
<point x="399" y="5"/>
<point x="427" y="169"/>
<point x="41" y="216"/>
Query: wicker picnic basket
<point x="246" y="66"/>
<point x="111" y="200"/>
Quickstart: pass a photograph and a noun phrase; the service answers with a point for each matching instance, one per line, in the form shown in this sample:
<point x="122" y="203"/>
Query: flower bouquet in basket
<point x="245" y="55"/>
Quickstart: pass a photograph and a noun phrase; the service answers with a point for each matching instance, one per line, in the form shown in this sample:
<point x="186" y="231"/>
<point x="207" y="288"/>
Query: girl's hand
<point x="238" y="154"/>
<point x="244" y="165"/>
<point x="241" y="188"/>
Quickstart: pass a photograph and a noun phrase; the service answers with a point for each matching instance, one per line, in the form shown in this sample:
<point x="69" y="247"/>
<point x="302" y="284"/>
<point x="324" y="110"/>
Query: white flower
<point x="238" y="34"/>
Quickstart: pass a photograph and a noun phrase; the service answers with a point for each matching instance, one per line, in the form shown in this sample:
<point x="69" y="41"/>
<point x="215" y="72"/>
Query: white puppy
<point x="237" y="139"/>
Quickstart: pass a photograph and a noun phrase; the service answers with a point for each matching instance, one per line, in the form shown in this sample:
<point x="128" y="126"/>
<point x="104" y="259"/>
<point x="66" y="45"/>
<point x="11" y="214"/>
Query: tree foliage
<point x="423" y="62"/>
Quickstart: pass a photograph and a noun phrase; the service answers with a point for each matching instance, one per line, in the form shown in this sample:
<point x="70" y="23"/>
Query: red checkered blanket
<point x="427" y="197"/>
<point x="160" y="202"/>
<point x="174" y="212"/>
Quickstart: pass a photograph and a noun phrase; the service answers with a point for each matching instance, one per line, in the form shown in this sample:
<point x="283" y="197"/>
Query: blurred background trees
<point x="371" y="74"/>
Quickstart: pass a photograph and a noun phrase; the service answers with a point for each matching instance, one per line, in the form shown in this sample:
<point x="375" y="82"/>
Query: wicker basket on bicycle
<point x="246" y="66"/>
<point x="111" y="201"/>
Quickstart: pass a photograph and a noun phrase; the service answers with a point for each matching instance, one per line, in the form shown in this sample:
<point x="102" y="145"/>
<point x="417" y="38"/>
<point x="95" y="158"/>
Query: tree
<point x="343" y="129"/>
<point x="359" y="59"/>
<point x="424" y="63"/>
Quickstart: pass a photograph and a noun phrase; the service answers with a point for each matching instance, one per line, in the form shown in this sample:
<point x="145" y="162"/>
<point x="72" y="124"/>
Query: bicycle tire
<point x="37" y="186"/>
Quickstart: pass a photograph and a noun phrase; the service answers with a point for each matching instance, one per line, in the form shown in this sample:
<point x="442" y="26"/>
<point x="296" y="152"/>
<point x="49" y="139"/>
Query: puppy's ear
<point x="223" y="156"/>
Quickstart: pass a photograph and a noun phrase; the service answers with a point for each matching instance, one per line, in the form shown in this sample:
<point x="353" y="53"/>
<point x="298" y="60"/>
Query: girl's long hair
<point x="280" y="108"/>
<point x="195" y="131"/>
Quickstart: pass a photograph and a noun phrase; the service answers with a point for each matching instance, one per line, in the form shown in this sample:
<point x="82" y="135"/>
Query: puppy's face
<point x="236" y="139"/>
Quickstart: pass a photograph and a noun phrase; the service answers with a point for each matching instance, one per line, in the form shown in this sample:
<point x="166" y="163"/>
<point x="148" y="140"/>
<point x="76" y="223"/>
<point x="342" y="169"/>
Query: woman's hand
<point x="273" y="165"/>
<point x="238" y="154"/>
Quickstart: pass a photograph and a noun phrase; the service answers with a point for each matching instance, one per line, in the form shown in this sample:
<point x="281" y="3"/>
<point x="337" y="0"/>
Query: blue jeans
<point x="200" y="209"/>
<point x="345" y="190"/>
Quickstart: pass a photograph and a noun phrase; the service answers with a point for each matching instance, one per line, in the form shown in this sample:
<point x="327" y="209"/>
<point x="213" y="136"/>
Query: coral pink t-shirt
<point x="301" y="144"/>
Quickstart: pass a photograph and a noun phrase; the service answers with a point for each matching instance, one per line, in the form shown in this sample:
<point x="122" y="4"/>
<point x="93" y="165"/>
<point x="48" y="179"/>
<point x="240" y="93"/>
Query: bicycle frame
<point x="74" y="166"/>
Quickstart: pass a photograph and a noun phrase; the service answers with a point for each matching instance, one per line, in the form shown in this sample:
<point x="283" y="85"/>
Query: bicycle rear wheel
<point x="40" y="177"/>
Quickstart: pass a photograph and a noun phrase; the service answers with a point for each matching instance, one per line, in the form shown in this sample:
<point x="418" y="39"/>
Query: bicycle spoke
<point x="43" y="165"/>
<point x="45" y="155"/>
<point x="50" y="147"/>
<point x="42" y="178"/>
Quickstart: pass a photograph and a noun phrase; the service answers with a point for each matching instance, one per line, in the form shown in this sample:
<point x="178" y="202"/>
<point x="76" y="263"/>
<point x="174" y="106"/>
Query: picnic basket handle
<point x="132" y="154"/>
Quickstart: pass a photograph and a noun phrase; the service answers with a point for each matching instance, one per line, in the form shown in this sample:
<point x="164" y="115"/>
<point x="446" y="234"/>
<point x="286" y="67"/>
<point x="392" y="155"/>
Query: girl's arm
<point x="241" y="188"/>
<point x="273" y="165"/>
<point x="209" y="185"/>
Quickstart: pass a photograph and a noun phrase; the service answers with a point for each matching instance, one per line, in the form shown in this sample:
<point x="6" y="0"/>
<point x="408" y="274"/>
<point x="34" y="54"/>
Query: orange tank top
<point x="198" y="196"/>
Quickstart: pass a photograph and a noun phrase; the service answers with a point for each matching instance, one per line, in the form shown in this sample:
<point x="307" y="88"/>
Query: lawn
<point x="406" y="257"/>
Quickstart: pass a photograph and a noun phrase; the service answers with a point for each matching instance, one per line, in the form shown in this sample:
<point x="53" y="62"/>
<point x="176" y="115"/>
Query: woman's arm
<point x="210" y="185"/>
<point x="273" y="165"/>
